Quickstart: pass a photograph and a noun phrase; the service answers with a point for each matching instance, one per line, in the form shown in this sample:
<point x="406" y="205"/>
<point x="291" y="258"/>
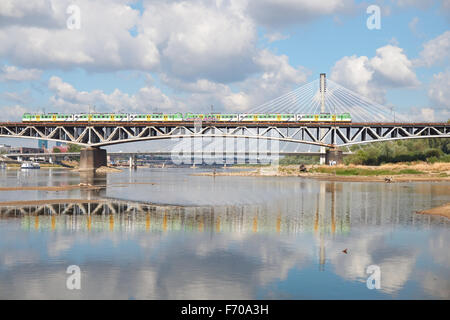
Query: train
<point x="174" y="117"/>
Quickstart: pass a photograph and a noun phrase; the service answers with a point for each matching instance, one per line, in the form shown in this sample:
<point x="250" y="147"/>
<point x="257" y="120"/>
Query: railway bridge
<point x="371" y="122"/>
<point x="94" y="136"/>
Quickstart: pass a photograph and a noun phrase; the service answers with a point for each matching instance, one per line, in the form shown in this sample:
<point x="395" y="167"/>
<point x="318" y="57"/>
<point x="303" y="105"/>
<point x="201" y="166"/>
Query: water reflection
<point x="216" y="252"/>
<point x="130" y="216"/>
<point x="287" y="245"/>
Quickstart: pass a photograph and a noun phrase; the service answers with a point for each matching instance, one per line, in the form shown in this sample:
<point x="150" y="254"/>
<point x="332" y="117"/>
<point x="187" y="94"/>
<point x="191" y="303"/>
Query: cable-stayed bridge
<point x="370" y="122"/>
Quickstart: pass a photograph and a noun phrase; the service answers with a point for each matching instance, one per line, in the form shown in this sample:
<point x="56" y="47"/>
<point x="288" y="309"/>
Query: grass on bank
<point x="363" y="171"/>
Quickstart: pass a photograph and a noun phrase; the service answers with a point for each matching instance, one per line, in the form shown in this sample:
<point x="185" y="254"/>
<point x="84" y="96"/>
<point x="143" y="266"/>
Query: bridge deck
<point x="325" y="134"/>
<point x="223" y="124"/>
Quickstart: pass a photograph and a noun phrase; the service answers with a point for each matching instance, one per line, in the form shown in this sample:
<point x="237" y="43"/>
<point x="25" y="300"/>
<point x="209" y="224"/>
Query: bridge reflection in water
<point x="322" y="214"/>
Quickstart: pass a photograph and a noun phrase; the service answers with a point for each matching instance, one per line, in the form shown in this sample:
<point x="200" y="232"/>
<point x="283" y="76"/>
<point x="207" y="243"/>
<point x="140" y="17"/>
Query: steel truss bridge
<point x="320" y="134"/>
<point x="371" y="122"/>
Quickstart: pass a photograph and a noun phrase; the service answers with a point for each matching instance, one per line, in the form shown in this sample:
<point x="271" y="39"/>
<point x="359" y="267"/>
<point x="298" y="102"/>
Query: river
<point x="169" y="234"/>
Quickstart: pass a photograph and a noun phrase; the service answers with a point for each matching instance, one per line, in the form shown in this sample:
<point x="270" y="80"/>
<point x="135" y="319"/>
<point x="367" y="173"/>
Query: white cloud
<point x="438" y="90"/>
<point x="12" y="73"/>
<point x="12" y="113"/>
<point x="102" y="43"/>
<point x="427" y="114"/>
<point x="446" y="6"/>
<point x="40" y="13"/>
<point x="278" y="13"/>
<point x="68" y="99"/>
<point x="415" y="3"/>
<point x="18" y="97"/>
<point x="393" y="68"/>
<point x="275" y="36"/>
<point x="413" y="25"/>
<point x="187" y="40"/>
<point x="356" y="74"/>
<point x="435" y="51"/>
<point x="277" y="77"/>
<point x="390" y="68"/>
<point x="201" y="39"/>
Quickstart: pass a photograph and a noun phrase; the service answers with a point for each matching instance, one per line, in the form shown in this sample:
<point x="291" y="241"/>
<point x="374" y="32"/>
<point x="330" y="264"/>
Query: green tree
<point x="74" y="148"/>
<point x="436" y="149"/>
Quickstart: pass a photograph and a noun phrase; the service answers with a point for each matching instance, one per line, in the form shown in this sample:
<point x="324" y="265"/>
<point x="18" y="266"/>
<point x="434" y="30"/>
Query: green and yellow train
<point x="173" y="117"/>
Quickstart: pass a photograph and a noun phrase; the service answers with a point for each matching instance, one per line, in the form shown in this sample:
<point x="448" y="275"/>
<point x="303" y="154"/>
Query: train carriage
<point x="171" y="117"/>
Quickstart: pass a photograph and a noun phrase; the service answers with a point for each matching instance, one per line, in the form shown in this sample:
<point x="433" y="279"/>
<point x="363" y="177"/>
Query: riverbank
<point x="83" y="186"/>
<point x="400" y="172"/>
<point x="443" y="211"/>
<point x="48" y="202"/>
<point x="103" y="169"/>
<point x="16" y="166"/>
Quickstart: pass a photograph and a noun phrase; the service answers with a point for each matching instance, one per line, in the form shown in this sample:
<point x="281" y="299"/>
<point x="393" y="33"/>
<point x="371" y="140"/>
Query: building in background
<point x="4" y="148"/>
<point x="43" y="144"/>
<point x="25" y="150"/>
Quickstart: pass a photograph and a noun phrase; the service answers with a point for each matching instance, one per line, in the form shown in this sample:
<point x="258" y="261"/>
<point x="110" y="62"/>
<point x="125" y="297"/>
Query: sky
<point x="179" y="56"/>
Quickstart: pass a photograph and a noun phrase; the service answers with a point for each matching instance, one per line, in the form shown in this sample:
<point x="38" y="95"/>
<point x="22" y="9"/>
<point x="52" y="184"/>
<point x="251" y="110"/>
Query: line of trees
<point x="429" y="150"/>
<point x="376" y="153"/>
<point x="290" y="160"/>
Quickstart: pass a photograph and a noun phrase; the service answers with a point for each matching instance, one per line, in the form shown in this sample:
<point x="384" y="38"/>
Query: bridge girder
<point x="320" y="135"/>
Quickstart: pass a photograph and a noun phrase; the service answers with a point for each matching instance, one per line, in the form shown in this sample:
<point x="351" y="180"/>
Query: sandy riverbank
<point x="401" y="172"/>
<point x="443" y="211"/>
<point x="47" y="202"/>
<point x="46" y="167"/>
<point x="83" y="186"/>
<point x="103" y="169"/>
<point x="55" y="188"/>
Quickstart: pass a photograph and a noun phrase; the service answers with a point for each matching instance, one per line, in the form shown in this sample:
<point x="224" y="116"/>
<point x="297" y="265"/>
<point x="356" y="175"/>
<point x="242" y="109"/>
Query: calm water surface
<point x="166" y="234"/>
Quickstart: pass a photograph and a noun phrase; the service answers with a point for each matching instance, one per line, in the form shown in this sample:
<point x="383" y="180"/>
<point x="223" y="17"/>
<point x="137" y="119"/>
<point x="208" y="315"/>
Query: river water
<point x="169" y="234"/>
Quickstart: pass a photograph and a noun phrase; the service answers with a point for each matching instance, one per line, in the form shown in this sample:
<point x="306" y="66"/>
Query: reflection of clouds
<point x="371" y="249"/>
<point x="232" y="251"/>
<point x="395" y="272"/>
<point x="436" y="285"/>
<point x="437" y="282"/>
<point x="24" y="256"/>
<point x="203" y="266"/>
<point x="438" y="248"/>
<point x="62" y="243"/>
<point x="160" y="265"/>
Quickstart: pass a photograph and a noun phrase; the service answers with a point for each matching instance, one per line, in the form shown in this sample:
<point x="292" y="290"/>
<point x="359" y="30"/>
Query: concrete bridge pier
<point x="132" y="162"/>
<point x="92" y="158"/>
<point x="333" y="155"/>
<point x="323" y="156"/>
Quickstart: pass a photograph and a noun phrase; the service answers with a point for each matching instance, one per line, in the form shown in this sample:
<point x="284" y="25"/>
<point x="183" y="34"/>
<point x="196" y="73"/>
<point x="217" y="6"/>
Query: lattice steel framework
<point x="329" y="135"/>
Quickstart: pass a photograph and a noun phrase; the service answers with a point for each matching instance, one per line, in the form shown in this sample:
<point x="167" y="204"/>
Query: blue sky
<point x="177" y="55"/>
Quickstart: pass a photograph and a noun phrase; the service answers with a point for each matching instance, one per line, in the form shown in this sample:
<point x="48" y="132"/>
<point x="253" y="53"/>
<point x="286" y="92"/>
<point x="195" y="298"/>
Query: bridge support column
<point x="333" y="155"/>
<point x="323" y="155"/>
<point x="92" y="158"/>
<point x="132" y="162"/>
